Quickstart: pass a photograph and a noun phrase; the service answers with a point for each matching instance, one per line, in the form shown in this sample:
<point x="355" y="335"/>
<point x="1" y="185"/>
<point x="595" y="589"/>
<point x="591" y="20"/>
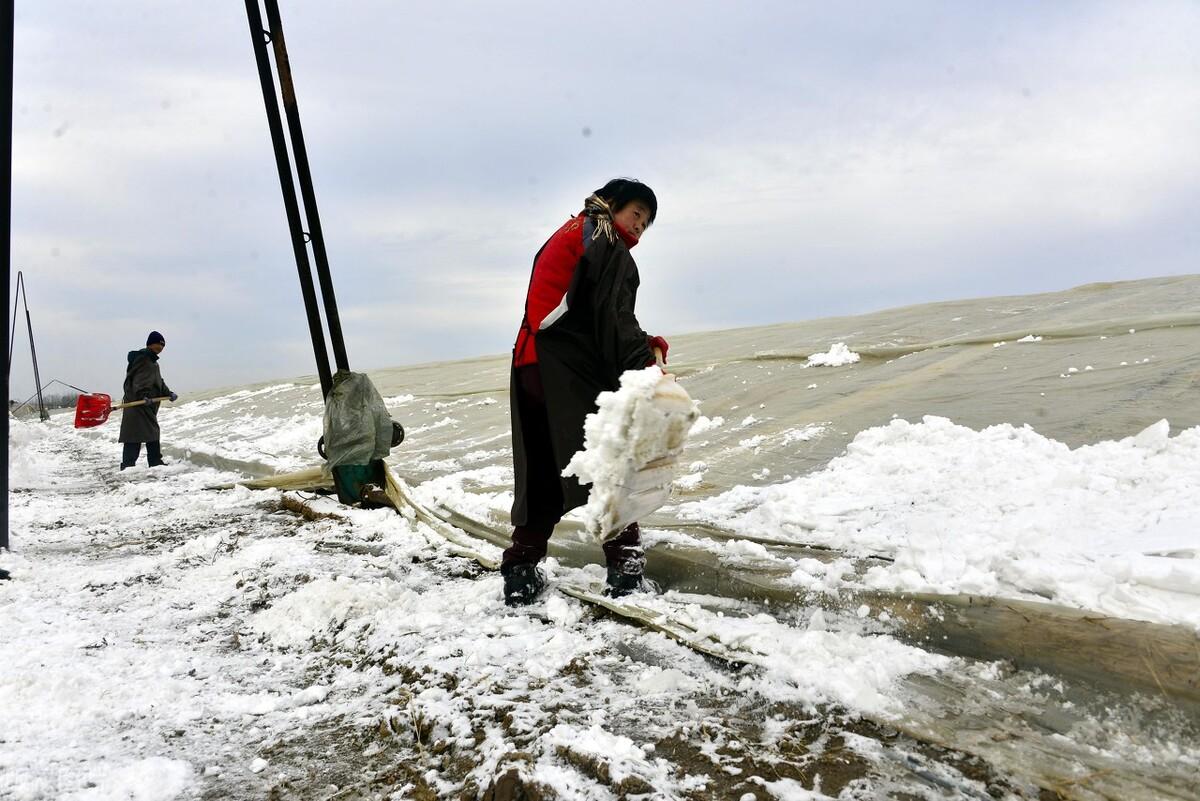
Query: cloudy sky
<point x="810" y="159"/>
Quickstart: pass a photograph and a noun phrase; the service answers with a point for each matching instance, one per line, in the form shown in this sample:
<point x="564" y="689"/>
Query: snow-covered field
<point x="165" y="640"/>
<point x="1112" y="527"/>
<point x="168" y="640"/>
<point x="168" y="635"/>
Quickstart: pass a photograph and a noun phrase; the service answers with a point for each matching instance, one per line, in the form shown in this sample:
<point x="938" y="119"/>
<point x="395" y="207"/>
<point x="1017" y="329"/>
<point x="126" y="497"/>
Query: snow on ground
<point x="838" y="355"/>
<point x="250" y="426"/>
<point x="165" y="639"/>
<point x="1004" y="511"/>
<point x="113" y="638"/>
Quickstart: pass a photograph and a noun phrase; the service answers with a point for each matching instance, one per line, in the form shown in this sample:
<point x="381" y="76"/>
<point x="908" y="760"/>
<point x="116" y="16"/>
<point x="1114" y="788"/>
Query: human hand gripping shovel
<point x="94" y="408"/>
<point x="631" y="447"/>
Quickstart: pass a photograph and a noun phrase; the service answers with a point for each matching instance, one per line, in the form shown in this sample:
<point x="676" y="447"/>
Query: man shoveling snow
<point x="578" y="335"/>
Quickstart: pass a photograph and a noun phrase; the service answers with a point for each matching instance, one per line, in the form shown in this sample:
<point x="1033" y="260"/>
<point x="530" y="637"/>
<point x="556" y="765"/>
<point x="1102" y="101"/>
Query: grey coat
<point x="142" y="379"/>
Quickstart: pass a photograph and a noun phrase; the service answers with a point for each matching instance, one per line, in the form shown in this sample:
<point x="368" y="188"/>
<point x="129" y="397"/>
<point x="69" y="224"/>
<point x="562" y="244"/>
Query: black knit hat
<point x="155" y="337"/>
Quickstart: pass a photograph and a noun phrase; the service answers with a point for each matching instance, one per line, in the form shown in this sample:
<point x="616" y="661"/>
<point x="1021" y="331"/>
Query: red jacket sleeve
<point x="552" y="273"/>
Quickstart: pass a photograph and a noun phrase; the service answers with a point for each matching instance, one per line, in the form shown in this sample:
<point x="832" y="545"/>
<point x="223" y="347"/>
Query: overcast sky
<point x="810" y="159"/>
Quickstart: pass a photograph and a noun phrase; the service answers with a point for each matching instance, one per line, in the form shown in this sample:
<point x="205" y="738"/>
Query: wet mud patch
<point x="339" y="759"/>
<point x="708" y="744"/>
<point x="755" y="747"/>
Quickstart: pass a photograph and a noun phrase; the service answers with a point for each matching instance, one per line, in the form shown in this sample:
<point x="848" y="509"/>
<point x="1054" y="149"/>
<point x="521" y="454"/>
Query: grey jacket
<point x="142" y="379"/>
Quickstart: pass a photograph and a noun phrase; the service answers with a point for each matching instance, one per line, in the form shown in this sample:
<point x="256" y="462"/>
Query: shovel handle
<point x="662" y="363"/>
<point x="139" y="402"/>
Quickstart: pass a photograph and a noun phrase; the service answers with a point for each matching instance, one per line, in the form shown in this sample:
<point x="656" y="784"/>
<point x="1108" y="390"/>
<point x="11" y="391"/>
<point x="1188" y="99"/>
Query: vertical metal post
<point x="304" y="176"/>
<point x="6" y="95"/>
<point x="258" y="37"/>
<point x="37" y="377"/>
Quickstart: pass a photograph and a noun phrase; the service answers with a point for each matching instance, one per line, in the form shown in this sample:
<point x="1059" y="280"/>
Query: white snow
<point x="150" y="779"/>
<point x="323" y="609"/>
<point x="1003" y="512"/>
<point x="630" y="428"/>
<point x="704" y="424"/>
<point x="838" y="355"/>
<point x="264" y="426"/>
<point x="161" y="635"/>
<point x="802" y="434"/>
<point x="24" y="468"/>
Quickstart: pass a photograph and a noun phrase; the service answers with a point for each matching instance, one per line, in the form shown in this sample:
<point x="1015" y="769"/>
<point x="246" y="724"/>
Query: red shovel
<point x="93" y="409"/>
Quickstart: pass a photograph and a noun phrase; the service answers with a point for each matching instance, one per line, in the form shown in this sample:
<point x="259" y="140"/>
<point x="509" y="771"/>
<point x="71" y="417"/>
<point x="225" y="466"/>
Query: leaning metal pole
<point x="260" y="38"/>
<point x="6" y="93"/>
<point x="304" y="176"/>
<point x="37" y="376"/>
<point x="22" y="295"/>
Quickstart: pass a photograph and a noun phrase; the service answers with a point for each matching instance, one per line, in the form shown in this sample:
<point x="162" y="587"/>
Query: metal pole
<point x="37" y="378"/>
<point x="304" y="176"/>
<point x="53" y="381"/>
<point x="259" y="37"/>
<point x="22" y="295"/>
<point x="6" y="93"/>
<point x="12" y="332"/>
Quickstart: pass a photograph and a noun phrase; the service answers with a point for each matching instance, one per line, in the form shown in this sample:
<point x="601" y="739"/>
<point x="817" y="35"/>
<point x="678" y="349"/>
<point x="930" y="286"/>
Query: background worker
<point x="139" y="424"/>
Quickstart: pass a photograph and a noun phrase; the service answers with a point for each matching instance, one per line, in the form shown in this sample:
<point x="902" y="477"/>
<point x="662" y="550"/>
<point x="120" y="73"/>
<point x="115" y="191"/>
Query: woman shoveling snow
<point x="578" y="335"/>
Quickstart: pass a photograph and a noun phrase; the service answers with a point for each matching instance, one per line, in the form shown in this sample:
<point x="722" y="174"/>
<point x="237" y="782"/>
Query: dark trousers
<point x="131" y="450"/>
<point x="545" y="486"/>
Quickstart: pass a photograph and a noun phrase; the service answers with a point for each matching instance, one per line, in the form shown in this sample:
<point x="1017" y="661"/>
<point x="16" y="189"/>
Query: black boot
<point x="523" y="583"/>
<point x="627" y="573"/>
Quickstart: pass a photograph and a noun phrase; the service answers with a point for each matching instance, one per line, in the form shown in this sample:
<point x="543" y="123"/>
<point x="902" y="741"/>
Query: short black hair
<point x="619" y="192"/>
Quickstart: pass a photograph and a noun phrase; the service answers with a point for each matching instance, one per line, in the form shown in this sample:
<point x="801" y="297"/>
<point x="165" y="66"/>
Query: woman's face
<point x="634" y="217"/>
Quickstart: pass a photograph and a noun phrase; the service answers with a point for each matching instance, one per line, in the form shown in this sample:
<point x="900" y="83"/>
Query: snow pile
<point x="647" y="420"/>
<point x="623" y="757"/>
<point x="1003" y="512"/>
<point x="324" y="609"/>
<point x="812" y="666"/>
<point x="838" y="355"/>
<point x="128" y="673"/>
<point x="802" y="434"/>
<point x="151" y="779"/>
<point x="704" y="424"/>
<point x="275" y="426"/>
<point x="24" y="466"/>
<point x="458" y="491"/>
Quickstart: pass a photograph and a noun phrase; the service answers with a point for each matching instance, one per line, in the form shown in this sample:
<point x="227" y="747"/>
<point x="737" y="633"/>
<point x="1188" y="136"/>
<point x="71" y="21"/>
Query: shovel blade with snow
<point x="644" y="481"/>
<point x="644" y="492"/>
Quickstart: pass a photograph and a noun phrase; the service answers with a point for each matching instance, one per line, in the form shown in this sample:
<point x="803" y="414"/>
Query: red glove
<point x="661" y="344"/>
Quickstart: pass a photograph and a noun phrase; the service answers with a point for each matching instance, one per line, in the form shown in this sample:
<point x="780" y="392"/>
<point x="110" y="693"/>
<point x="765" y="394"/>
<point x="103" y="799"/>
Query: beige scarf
<point x="598" y="210"/>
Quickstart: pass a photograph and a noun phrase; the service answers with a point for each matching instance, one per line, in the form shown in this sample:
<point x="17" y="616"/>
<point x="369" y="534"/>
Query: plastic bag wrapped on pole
<point x="358" y="428"/>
